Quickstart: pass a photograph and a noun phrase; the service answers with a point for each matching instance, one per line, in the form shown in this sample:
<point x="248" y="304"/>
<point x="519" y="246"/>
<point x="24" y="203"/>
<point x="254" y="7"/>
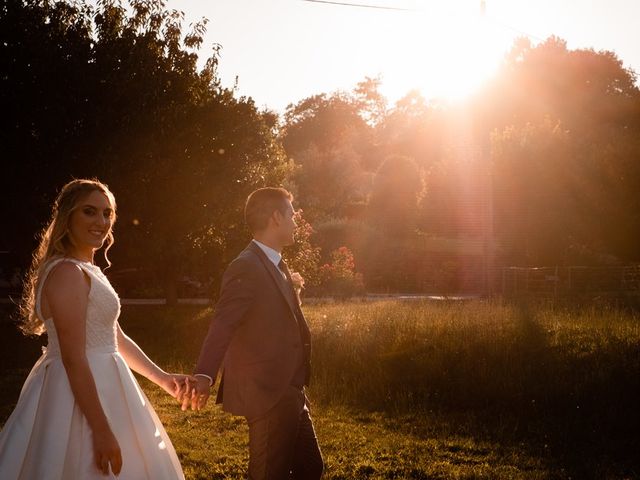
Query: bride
<point x="81" y="413"/>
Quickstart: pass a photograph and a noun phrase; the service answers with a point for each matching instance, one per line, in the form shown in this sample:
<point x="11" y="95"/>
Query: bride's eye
<point x="89" y="211"/>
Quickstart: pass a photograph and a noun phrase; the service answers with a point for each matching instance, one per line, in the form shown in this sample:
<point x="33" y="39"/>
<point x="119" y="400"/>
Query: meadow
<point x="420" y="390"/>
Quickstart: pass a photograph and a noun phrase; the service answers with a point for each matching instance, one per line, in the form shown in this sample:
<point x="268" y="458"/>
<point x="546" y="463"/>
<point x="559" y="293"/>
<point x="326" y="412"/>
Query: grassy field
<point x="421" y="390"/>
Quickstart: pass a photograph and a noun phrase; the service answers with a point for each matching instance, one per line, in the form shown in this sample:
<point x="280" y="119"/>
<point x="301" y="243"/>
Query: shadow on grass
<point x="571" y="403"/>
<point x="574" y="408"/>
<point x="583" y="406"/>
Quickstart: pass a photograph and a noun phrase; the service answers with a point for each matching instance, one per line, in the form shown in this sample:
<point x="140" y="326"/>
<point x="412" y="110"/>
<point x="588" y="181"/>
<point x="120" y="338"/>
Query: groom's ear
<point x="277" y="217"/>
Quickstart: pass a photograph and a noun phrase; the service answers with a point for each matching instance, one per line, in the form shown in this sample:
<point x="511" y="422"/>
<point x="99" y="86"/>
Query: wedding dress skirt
<point x="48" y="437"/>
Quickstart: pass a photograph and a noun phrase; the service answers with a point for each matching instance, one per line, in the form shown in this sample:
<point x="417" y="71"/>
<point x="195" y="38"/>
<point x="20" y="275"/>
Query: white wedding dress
<point x="48" y="437"/>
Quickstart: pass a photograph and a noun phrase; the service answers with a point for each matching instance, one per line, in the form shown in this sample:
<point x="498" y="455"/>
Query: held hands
<point x="175" y="384"/>
<point x="196" y="393"/>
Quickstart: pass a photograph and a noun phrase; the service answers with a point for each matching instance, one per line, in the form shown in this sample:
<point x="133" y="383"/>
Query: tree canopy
<point x="543" y="159"/>
<point x="114" y="92"/>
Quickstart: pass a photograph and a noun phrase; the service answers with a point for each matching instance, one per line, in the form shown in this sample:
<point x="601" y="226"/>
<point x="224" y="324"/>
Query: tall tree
<point x="397" y="189"/>
<point x="114" y="91"/>
<point x="582" y="88"/>
<point x="330" y="139"/>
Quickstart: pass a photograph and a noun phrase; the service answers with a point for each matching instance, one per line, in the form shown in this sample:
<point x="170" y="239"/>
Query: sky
<point x="281" y="51"/>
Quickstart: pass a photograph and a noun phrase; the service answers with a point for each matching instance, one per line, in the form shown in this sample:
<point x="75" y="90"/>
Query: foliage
<point x="113" y="91"/>
<point x="397" y="189"/>
<point x="562" y="184"/>
<point x="544" y="158"/>
<point x="339" y="278"/>
<point x="583" y="88"/>
<point x="327" y="183"/>
<point x="533" y="176"/>
<point x="303" y="257"/>
<point x="330" y="137"/>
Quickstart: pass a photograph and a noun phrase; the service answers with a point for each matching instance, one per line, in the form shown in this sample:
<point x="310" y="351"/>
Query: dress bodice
<point x="103" y="309"/>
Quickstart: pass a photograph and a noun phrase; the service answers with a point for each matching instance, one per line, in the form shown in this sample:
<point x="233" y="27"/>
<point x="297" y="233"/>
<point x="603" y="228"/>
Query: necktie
<point x="284" y="269"/>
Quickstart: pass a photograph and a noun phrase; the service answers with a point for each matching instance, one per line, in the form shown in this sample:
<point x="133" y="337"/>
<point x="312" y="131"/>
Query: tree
<point x="114" y="92"/>
<point x="566" y="128"/>
<point x="414" y="128"/>
<point x="330" y="137"/>
<point x="582" y="88"/>
<point x="328" y="183"/>
<point x="397" y="189"/>
<point x="535" y="216"/>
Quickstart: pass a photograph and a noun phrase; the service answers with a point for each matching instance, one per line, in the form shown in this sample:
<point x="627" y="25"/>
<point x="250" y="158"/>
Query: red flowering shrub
<point x="339" y="278"/>
<point x="303" y="257"/>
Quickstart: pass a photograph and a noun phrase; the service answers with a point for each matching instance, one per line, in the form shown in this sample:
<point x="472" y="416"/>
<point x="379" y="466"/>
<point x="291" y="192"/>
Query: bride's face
<point x="91" y="222"/>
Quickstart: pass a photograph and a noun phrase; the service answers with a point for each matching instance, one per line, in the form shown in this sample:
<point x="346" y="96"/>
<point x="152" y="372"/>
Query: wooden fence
<point x="567" y="281"/>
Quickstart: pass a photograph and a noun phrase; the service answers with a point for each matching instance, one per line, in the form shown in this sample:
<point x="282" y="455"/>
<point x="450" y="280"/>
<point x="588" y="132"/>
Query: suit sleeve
<point x="237" y="295"/>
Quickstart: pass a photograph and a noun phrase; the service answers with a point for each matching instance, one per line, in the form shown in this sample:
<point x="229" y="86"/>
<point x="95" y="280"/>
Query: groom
<point x="259" y="337"/>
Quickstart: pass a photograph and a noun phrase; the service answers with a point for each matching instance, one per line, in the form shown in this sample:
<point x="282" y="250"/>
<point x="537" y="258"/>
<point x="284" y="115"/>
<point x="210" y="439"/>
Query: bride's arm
<point x="139" y="362"/>
<point x="67" y="293"/>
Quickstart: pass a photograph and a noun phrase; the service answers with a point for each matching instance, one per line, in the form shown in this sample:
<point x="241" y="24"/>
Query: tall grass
<point x="562" y="379"/>
<point x="528" y="388"/>
<point x="411" y="356"/>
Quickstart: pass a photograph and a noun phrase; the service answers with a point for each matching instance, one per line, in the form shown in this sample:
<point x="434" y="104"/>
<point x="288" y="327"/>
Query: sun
<point x="458" y="70"/>
<point x="450" y="57"/>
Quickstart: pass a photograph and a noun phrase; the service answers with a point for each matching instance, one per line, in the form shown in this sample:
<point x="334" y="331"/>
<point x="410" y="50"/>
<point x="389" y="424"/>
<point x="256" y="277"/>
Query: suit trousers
<point x="282" y="443"/>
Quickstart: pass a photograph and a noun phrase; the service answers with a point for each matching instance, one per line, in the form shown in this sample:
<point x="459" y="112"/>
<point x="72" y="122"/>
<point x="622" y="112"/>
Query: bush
<point x="338" y="278"/>
<point x="303" y="256"/>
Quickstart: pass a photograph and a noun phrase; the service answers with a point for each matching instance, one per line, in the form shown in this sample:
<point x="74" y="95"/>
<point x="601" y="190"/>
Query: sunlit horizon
<point x="283" y="51"/>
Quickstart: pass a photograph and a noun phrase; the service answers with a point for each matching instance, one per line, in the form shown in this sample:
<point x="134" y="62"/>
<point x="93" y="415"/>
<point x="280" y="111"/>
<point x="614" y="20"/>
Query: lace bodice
<point x="103" y="310"/>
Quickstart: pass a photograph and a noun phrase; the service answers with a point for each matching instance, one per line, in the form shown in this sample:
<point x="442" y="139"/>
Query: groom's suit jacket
<point x="258" y="335"/>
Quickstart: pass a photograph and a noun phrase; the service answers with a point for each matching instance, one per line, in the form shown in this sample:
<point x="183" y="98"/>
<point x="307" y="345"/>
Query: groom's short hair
<point x="262" y="203"/>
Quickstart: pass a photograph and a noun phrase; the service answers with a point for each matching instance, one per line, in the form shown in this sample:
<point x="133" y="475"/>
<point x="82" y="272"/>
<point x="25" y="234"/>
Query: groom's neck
<point x="269" y="242"/>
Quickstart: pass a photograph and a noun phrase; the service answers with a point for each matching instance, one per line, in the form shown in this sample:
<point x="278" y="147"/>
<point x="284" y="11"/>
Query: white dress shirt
<point x="273" y="255"/>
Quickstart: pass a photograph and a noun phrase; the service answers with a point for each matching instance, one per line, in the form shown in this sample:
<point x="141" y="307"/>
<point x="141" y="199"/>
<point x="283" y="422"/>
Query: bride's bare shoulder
<point x="66" y="275"/>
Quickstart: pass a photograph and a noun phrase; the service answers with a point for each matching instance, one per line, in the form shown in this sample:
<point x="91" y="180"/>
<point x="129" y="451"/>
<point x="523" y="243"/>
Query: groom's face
<point x="287" y="224"/>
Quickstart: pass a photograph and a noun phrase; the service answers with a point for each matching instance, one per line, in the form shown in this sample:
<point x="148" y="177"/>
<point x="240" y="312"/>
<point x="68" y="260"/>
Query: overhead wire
<point x="483" y="13"/>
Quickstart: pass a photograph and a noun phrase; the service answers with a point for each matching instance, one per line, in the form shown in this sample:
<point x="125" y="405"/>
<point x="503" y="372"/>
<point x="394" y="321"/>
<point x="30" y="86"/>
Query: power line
<point x="361" y="5"/>
<point x="514" y="29"/>
<point x="483" y="13"/>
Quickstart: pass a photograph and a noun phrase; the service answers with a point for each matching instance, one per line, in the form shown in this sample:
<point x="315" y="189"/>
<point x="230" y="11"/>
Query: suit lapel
<point x="276" y="276"/>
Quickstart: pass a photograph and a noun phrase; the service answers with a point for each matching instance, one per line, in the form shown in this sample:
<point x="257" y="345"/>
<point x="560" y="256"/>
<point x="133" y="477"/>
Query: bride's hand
<point x="176" y="384"/>
<point x="107" y="452"/>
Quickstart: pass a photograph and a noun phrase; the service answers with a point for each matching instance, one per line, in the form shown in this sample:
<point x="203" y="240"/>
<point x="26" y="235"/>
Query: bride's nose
<point x="102" y="220"/>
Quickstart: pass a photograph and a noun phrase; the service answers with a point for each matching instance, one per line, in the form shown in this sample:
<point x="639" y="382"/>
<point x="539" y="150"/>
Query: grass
<point x="421" y="390"/>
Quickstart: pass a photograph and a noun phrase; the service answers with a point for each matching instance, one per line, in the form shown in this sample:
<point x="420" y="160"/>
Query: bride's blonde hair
<point x="54" y="241"/>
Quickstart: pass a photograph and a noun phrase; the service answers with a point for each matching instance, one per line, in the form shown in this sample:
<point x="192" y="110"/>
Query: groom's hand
<point x="176" y="385"/>
<point x="197" y="394"/>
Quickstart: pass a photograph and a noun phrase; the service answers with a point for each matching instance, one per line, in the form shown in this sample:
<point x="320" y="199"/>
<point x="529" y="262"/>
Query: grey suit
<point x="259" y="337"/>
